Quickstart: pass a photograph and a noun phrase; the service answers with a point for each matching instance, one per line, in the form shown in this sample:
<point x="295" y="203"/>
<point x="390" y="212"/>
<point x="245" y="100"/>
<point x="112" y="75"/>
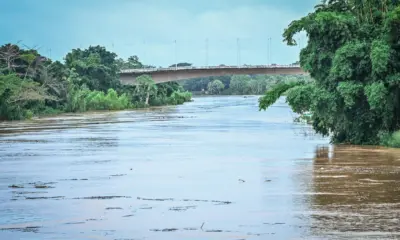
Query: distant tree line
<point x="238" y="84"/>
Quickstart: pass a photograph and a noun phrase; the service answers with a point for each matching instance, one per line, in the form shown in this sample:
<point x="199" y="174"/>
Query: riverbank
<point x="59" y="113"/>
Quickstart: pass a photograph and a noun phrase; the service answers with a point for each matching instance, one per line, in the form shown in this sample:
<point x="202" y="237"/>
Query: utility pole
<point x="238" y="51"/>
<point x="206" y="52"/>
<point x="270" y="50"/>
<point x="176" y="59"/>
<point x="144" y="52"/>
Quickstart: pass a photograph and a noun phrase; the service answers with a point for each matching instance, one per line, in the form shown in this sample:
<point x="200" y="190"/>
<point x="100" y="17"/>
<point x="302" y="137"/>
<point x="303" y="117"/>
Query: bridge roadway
<point x="160" y="75"/>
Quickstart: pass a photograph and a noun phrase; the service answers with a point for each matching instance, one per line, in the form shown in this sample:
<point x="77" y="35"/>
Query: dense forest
<point x="353" y="55"/>
<point x="32" y="85"/>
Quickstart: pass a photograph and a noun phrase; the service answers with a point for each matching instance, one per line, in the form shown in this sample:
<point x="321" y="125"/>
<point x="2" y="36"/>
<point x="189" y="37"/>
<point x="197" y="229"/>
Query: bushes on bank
<point x="85" y="100"/>
<point x="179" y="97"/>
<point x="390" y="140"/>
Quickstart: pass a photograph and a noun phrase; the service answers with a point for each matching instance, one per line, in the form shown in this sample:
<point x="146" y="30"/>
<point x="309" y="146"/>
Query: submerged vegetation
<point x="31" y="84"/>
<point x="353" y="55"/>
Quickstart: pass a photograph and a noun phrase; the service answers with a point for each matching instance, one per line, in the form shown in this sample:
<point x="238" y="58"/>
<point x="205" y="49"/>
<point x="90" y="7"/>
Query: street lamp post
<point x="269" y="59"/>
<point x="206" y="52"/>
<point x="238" y="51"/>
<point x="270" y="51"/>
<point x="176" y="59"/>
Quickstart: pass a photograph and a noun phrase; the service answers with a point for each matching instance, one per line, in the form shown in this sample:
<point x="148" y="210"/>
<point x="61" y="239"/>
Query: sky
<point x="159" y="32"/>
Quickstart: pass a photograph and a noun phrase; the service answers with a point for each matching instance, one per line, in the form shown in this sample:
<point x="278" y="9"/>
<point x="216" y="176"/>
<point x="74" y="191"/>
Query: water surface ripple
<point x="215" y="168"/>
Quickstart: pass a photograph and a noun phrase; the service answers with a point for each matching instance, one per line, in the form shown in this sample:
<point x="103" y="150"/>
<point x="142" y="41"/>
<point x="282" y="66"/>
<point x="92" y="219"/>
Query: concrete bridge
<point x="160" y="75"/>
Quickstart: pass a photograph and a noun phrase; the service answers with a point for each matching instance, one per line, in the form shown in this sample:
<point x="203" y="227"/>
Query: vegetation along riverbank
<point x="353" y="56"/>
<point x="237" y="84"/>
<point x="33" y="85"/>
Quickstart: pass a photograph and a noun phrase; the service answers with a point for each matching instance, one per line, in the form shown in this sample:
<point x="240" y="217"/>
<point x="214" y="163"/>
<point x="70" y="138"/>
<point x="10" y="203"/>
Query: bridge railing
<point x="144" y="70"/>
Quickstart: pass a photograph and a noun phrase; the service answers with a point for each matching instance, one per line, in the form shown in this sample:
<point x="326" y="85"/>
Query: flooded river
<point x="215" y="168"/>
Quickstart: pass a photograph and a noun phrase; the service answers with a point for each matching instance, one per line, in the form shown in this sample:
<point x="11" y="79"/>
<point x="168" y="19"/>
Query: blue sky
<point x="148" y="28"/>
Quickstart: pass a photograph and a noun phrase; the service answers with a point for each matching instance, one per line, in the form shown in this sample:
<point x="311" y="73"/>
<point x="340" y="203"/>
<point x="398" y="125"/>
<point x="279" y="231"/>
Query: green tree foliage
<point x="131" y="63"/>
<point x="239" y="84"/>
<point x="353" y="56"/>
<point x="145" y="88"/>
<point x="31" y="84"/>
<point x="251" y="84"/>
<point x="17" y="95"/>
<point x="182" y="64"/>
<point x="274" y="93"/>
<point x="83" y="99"/>
<point x="215" y="87"/>
<point x="96" y="66"/>
<point x="179" y="97"/>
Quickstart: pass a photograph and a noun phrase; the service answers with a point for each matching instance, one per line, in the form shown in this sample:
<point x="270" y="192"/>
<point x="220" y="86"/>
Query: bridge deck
<point x="160" y="75"/>
<point x="152" y="70"/>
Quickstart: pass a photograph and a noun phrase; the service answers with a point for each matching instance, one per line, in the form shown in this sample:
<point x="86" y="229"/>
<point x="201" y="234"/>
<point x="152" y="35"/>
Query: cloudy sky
<point x="149" y="28"/>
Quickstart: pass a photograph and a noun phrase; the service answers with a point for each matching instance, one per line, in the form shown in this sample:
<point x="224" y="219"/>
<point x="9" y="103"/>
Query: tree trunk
<point x="148" y="95"/>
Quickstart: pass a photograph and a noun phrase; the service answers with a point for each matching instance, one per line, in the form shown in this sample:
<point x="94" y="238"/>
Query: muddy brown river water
<point x="215" y="168"/>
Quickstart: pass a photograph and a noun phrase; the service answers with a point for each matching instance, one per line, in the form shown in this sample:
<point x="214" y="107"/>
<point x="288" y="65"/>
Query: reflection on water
<point x="366" y="186"/>
<point x="215" y="168"/>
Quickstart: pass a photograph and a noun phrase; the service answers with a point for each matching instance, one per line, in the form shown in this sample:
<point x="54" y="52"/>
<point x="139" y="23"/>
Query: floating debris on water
<point x="43" y="198"/>
<point x="102" y="197"/>
<point x="183" y="208"/>
<point x="155" y="199"/>
<point x="146" y="208"/>
<point x="186" y="200"/>
<point x="113" y="208"/>
<point x="164" y="230"/>
<point x="42" y="186"/>
<point x="22" y="193"/>
<point x="33" y="229"/>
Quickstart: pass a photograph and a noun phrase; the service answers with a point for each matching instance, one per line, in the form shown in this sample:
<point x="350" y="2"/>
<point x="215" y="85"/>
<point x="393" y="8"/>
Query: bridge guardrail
<point x="144" y="70"/>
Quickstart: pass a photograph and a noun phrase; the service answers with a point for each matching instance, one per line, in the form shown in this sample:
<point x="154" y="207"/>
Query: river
<point x="214" y="168"/>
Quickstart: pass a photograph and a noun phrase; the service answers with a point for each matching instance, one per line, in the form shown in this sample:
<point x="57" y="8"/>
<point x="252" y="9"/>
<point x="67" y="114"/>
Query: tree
<point x="32" y="84"/>
<point x="53" y="77"/>
<point x="255" y="86"/>
<point x="17" y="94"/>
<point x="215" y="87"/>
<point x="8" y="54"/>
<point x="133" y="62"/>
<point x="239" y="84"/>
<point x="353" y="56"/>
<point x="145" y="88"/>
<point x="182" y="64"/>
<point x="96" y="66"/>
